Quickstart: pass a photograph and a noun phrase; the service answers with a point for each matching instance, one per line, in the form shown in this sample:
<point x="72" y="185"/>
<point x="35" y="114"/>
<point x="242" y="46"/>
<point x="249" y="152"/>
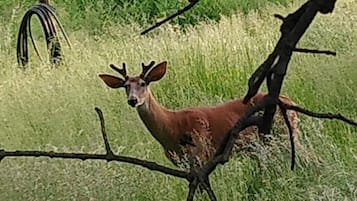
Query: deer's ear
<point x="156" y="73"/>
<point x="112" y="81"/>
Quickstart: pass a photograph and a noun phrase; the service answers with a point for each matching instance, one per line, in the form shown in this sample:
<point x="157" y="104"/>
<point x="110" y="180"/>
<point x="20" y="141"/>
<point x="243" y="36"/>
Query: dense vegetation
<point x="52" y="108"/>
<point x="95" y="15"/>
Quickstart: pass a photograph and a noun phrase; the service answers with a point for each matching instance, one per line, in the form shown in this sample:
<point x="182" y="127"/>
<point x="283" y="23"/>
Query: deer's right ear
<point x="157" y="72"/>
<point x="112" y="81"/>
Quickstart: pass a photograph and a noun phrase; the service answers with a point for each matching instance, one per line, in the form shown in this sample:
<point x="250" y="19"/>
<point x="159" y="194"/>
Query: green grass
<point x="52" y="109"/>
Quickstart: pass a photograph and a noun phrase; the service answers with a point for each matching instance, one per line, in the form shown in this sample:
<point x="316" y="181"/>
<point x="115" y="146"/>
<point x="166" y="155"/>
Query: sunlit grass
<point x="52" y="108"/>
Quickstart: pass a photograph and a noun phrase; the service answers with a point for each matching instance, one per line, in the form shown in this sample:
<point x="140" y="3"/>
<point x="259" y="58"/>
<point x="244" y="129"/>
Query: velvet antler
<point x="121" y="71"/>
<point x="146" y="68"/>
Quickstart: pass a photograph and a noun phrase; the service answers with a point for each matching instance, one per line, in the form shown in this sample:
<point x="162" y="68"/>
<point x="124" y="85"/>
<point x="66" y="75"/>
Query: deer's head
<point x="136" y="87"/>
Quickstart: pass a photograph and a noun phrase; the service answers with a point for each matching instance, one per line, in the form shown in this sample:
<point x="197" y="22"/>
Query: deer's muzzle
<point x="133" y="102"/>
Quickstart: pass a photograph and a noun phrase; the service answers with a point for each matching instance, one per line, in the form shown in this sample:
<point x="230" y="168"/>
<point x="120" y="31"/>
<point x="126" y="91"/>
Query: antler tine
<point x="121" y="71"/>
<point x="146" y="68"/>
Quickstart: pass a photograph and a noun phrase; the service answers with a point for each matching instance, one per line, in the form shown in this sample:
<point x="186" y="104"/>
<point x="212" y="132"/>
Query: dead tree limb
<point x="85" y="156"/>
<point x="104" y="133"/>
<point x="328" y="115"/>
<point x="291" y="137"/>
<point x="273" y="69"/>
<point x="304" y="50"/>
<point x="109" y="156"/>
<point x="179" y="12"/>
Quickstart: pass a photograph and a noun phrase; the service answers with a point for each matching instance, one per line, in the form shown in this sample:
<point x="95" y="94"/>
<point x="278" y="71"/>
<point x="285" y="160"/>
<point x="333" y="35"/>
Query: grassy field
<point x="52" y="109"/>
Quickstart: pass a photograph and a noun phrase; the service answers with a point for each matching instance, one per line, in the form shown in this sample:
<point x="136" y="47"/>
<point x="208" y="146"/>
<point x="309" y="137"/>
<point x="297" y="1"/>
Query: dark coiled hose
<point x="46" y="14"/>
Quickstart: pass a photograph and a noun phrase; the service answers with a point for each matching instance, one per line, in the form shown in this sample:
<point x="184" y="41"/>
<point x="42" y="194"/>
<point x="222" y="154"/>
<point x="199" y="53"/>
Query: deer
<point x="189" y="136"/>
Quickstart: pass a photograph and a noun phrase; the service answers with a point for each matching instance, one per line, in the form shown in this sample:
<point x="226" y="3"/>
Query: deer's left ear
<point x="157" y="72"/>
<point x="112" y="81"/>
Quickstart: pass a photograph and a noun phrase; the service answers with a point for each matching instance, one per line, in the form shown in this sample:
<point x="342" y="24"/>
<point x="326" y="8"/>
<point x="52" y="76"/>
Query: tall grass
<point x="52" y="108"/>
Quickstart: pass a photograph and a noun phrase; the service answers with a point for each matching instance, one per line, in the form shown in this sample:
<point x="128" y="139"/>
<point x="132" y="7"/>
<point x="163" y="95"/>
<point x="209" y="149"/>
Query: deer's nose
<point x="132" y="102"/>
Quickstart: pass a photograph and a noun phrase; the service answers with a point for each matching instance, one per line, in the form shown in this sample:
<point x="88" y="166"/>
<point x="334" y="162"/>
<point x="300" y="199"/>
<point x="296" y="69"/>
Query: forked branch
<point x="109" y="156"/>
<point x="273" y="69"/>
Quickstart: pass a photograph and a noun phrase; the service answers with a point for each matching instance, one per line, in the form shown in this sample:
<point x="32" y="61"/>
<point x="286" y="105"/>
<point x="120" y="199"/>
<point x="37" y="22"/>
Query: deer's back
<point x="210" y="122"/>
<point x="204" y="128"/>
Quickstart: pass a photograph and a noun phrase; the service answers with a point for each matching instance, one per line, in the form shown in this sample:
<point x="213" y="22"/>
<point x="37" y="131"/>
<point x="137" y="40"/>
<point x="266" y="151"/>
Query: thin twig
<point x="280" y="17"/>
<point x="304" y="50"/>
<point x="328" y="115"/>
<point x="192" y="189"/>
<point x="291" y="137"/>
<point x="179" y="12"/>
<point x="104" y="134"/>
<point x="207" y="186"/>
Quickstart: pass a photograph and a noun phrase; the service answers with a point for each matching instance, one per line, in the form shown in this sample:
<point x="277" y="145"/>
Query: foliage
<point x="96" y="15"/>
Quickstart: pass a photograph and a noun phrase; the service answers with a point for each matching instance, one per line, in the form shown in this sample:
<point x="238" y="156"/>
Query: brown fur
<point x="207" y="124"/>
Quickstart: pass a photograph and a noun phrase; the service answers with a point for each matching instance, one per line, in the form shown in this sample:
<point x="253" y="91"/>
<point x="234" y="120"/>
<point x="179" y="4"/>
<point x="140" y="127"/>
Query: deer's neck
<point x="157" y="120"/>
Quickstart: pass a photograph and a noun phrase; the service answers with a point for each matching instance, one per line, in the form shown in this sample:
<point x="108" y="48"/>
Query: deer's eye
<point x="142" y="84"/>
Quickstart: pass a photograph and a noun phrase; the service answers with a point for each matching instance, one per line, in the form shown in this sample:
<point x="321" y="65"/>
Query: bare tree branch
<point x="179" y="12"/>
<point x="304" y="50"/>
<point x="273" y="69"/>
<point x="192" y="190"/>
<point x="104" y="133"/>
<point x="109" y="156"/>
<point x="288" y="124"/>
<point x="207" y="186"/>
<point x="328" y="115"/>
<point x="85" y="156"/>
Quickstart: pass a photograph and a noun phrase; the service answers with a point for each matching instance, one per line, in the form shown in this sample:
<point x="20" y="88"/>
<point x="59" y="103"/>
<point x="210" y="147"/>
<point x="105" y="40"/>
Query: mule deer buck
<point x="190" y="135"/>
